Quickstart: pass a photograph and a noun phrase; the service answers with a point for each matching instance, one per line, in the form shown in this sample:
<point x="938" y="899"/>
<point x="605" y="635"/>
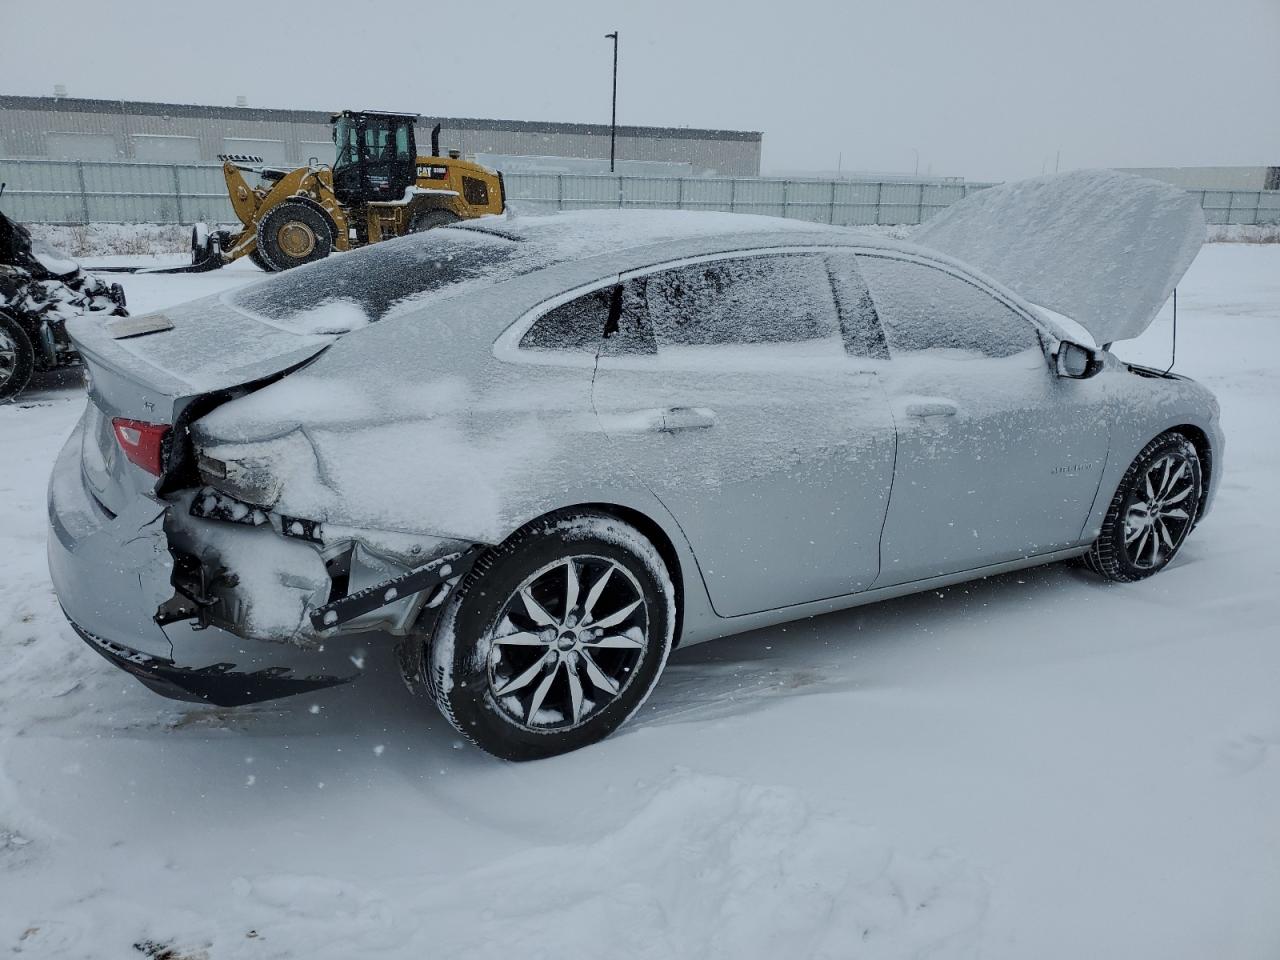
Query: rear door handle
<point x="931" y="408"/>
<point x="675" y="419"/>
<point x="659" y="420"/>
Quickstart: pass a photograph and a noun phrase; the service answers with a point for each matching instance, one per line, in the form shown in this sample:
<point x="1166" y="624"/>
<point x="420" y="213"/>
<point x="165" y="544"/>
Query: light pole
<point x="613" y="122"/>
<point x="916" y="172"/>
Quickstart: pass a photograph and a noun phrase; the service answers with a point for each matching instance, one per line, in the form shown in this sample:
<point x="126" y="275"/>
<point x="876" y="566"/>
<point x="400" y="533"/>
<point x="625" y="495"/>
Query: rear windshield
<point x="347" y="291"/>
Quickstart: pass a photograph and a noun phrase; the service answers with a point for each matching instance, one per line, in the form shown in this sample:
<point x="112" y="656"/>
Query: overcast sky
<point x="986" y="89"/>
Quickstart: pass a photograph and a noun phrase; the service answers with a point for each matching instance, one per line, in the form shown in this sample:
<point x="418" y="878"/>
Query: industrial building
<point x="67" y="128"/>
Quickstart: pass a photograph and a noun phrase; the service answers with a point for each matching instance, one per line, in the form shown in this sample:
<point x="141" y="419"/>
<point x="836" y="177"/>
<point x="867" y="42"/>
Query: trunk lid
<point x="196" y="349"/>
<point x="1103" y="248"/>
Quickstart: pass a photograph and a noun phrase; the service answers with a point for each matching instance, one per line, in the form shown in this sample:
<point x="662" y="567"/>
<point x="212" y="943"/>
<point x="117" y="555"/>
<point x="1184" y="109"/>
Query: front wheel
<point x="17" y="358"/>
<point x="1153" y="510"/>
<point x="293" y="233"/>
<point x="554" y="638"/>
<point x="259" y="261"/>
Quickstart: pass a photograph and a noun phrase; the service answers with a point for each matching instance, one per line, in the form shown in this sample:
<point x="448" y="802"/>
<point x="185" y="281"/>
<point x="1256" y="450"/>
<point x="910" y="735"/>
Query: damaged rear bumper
<point x="224" y="684"/>
<point x="227" y="642"/>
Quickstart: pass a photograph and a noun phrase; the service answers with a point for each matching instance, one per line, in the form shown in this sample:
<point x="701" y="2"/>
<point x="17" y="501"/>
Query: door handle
<point x="659" y="420"/>
<point x="675" y="419"/>
<point x="931" y="408"/>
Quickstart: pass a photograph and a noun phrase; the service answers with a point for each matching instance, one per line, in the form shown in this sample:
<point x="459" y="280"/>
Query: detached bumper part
<point x="430" y="577"/>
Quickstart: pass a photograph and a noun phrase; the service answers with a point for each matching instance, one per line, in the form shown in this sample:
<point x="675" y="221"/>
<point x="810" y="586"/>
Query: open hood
<point x="1103" y="248"/>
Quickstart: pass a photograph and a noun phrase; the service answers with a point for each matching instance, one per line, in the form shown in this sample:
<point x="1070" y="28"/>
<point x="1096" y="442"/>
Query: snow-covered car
<point x="534" y="454"/>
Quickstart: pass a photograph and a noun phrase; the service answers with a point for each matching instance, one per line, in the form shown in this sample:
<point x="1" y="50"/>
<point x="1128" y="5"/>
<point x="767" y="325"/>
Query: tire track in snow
<point x="708" y="867"/>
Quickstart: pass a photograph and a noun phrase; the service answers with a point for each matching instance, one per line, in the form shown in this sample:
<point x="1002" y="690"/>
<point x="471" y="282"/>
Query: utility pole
<point x="613" y="122"/>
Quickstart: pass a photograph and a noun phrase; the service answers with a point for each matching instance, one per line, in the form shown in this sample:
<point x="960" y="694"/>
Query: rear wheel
<point x="554" y="638"/>
<point x="1152" y="511"/>
<point x="17" y="358"/>
<point x="293" y="233"/>
<point x="430" y="219"/>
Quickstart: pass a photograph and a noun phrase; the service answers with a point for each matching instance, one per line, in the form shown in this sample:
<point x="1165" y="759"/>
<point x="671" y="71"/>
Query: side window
<point x="859" y="324"/>
<point x="924" y="308"/>
<point x="753" y="300"/>
<point x="576" y="325"/>
<point x="475" y="192"/>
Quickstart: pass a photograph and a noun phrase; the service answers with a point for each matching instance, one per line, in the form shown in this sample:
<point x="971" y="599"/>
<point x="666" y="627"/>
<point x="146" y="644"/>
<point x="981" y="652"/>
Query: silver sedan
<point x="532" y="455"/>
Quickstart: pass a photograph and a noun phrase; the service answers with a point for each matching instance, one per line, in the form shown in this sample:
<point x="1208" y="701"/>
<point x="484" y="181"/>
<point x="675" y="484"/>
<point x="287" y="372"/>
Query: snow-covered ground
<point x="1035" y="766"/>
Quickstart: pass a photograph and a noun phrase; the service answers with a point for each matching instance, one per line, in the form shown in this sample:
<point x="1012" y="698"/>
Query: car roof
<point x="635" y="238"/>
<point x="585" y="233"/>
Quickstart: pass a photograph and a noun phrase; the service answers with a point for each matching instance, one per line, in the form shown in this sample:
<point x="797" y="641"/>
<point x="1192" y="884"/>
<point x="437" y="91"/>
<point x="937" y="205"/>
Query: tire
<point x="259" y="261"/>
<point x="199" y="238"/>
<point x="517" y="700"/>
<point x="1137" y="541"/>
<point x="293" y="233"/>
<point x="430" y="219"/>
<point x="17" y="358"/>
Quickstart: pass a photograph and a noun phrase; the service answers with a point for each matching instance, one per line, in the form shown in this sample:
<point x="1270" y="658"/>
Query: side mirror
<point x="1076" y="362"/>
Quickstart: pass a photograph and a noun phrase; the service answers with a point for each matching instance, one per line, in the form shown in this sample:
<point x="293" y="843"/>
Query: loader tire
<point x="259" y="261"/>
<point x="294" y="233"/>
<point x="429" y="219"/>
<point x="17" y="358"/>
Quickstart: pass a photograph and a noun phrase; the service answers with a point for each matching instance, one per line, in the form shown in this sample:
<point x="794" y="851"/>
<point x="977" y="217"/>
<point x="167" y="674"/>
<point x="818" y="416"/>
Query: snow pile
<point x="332" y="317"/>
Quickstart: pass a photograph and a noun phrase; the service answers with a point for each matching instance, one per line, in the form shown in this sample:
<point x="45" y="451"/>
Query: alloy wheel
<point x="1162" y="511"/>
<point x="567" y="643"/>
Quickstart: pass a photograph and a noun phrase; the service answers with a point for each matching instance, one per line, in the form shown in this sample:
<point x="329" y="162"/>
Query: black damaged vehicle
<point x="39" y="290"/>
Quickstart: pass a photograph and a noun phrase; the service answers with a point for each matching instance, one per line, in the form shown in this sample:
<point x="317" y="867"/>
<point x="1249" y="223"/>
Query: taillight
<point x="142" y="443"/>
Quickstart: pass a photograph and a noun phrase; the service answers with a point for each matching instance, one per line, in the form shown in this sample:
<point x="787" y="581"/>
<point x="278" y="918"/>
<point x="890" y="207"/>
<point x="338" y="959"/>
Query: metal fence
<point x="1240" y="206"/>
<point x="70" y="191"/>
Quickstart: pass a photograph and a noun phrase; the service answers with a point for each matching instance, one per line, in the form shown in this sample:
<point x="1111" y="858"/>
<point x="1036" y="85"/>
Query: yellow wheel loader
<point x="378" y="187"/>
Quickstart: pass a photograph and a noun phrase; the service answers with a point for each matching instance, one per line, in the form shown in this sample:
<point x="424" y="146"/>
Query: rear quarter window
<point x="610" y="322"/>
<point x="576" y="326"/>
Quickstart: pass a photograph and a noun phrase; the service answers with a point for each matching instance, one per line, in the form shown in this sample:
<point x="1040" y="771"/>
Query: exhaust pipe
<point x="435" y="140"/>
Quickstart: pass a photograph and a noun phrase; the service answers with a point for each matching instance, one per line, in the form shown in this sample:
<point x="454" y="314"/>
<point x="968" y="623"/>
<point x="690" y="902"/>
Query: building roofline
<point x="145" y="108"/>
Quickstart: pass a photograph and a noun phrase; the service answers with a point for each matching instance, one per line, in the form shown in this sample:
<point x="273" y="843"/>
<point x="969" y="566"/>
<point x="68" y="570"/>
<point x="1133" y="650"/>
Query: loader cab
<point x="376" y="156"/>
